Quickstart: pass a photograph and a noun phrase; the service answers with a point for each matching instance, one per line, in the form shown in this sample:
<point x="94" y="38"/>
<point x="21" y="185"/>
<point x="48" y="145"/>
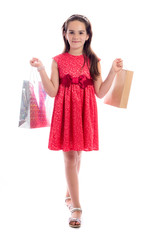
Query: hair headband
<point x="78" y="16"/>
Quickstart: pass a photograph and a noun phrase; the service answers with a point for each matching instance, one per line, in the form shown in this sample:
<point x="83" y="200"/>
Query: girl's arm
<point x="101" y="88"/>
<point x="50" y="85"/>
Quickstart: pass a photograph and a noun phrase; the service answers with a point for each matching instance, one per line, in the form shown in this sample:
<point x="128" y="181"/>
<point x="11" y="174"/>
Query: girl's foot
<point x="68" y="202"/>
<point x="75" y="220"/>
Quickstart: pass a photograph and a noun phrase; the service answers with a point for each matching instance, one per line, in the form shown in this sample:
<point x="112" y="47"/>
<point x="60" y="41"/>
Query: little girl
<point x="74" y="82"/>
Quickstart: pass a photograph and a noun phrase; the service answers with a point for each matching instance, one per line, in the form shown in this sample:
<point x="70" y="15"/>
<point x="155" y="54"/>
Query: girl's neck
<point x="76" y="52"/>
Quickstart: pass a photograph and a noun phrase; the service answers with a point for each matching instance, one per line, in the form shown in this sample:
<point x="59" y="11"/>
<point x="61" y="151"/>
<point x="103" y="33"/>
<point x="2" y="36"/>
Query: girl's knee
<point x="70" y="158"/>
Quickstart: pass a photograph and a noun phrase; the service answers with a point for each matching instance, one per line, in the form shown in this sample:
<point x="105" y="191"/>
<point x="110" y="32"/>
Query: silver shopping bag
<point x="36" y="106"/>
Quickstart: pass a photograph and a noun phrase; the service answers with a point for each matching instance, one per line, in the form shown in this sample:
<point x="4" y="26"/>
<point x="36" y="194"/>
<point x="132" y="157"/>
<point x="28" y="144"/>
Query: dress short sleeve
<point x="56" y="58"/>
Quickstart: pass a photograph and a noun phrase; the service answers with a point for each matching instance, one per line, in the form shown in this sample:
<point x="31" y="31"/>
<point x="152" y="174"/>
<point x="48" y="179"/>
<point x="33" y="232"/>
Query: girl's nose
<point x="75" y="36"/>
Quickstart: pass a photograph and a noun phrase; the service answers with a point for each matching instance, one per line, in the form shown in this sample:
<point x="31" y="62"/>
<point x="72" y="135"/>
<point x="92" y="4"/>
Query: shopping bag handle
<point x="34" y="80"/>
<point x="33" y="77"/>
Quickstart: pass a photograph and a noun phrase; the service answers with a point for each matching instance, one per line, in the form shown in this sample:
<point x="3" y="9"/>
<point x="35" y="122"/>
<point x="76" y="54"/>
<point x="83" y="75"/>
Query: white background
<point x="119" y="184"/>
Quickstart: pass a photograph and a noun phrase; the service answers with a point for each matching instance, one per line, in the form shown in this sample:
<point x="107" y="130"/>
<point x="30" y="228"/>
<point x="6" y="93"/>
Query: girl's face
<point x="76" y="35"/>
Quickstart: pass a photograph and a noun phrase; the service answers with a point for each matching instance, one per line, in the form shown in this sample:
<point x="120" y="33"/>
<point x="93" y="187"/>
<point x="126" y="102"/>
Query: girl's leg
<point x="78" y="162"/>
<point x="71" y="170"/>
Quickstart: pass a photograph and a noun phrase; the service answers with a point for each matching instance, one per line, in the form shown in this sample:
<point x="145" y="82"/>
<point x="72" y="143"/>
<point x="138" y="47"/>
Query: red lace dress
<point x="74" y="124"/>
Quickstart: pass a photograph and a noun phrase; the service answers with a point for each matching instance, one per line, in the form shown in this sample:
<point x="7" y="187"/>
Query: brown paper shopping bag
<point x="119" y="91"/>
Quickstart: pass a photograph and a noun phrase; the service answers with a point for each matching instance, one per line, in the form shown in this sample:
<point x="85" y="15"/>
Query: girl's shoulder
<point x="60" y="57"/>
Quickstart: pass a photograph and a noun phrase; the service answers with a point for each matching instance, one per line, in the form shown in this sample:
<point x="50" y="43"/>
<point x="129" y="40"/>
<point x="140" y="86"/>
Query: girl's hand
<point x="35" y="62"/>
<point x="117" y="65"/>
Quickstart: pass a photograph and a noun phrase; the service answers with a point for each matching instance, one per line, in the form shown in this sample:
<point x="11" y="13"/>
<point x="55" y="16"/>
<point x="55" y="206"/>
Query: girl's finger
<point x="119" y="59"/>
<point x="35" y="59"/>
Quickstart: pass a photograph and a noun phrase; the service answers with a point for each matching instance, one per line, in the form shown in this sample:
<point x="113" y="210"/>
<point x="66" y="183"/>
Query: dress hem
<point x="67" y="150"/>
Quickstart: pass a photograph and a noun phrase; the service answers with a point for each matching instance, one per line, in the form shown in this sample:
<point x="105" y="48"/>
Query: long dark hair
<point x="87" y="51"/>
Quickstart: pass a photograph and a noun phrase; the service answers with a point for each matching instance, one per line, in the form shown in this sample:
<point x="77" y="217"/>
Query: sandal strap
<point x="75" y="220"/>
<point x="70" y="206"/>
<point x="67" y="198"/>
<point x="76" y="209"/>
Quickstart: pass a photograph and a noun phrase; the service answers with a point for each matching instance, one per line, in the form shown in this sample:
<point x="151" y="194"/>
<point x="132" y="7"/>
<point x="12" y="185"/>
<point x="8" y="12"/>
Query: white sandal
<point x="68" y="205"/>
<point x="77" y="220"/>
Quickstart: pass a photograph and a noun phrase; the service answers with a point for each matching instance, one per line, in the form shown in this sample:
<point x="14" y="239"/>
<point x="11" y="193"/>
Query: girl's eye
<point x="81" y="33"/>
<point x="71" y="32"/>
